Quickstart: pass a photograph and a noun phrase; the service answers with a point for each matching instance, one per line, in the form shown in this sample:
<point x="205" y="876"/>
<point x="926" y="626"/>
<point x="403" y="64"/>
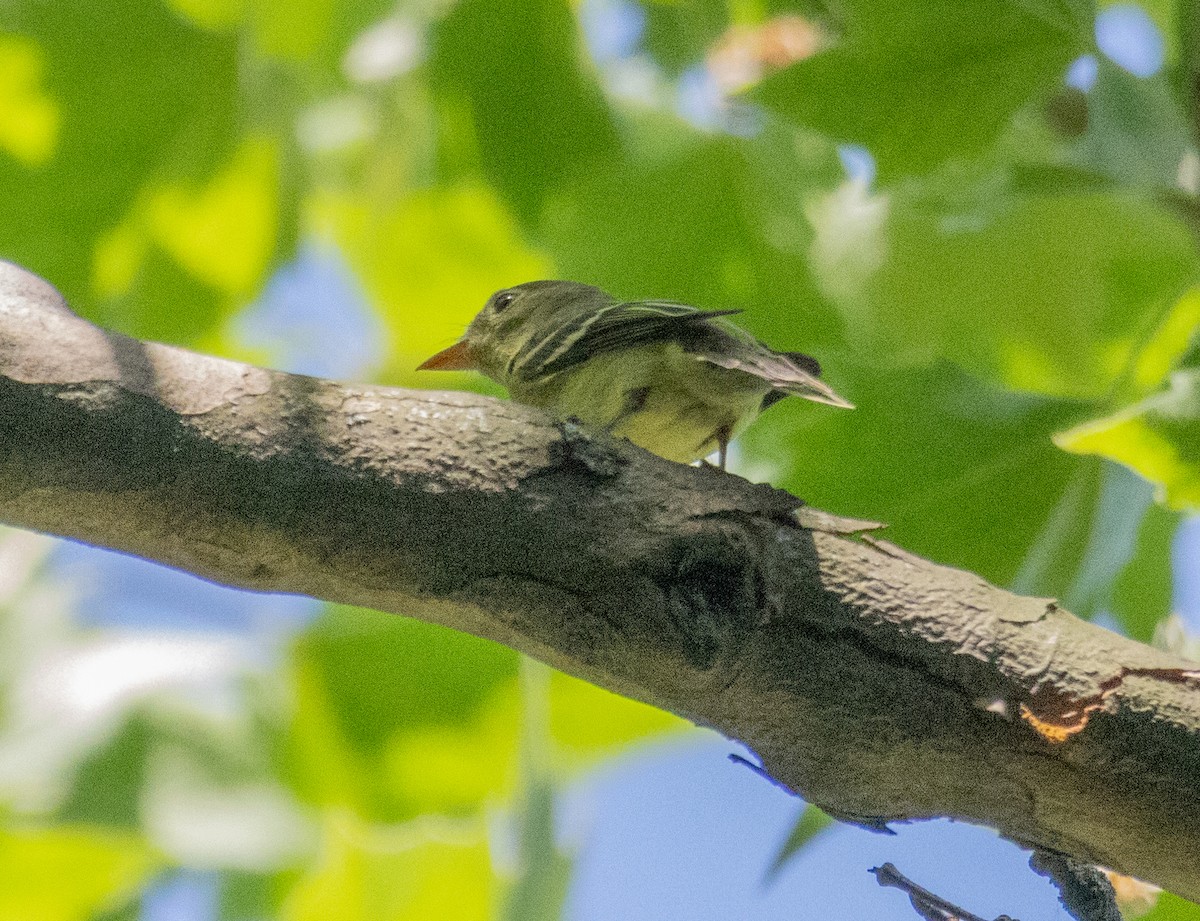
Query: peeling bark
<point x="878" y="685"/>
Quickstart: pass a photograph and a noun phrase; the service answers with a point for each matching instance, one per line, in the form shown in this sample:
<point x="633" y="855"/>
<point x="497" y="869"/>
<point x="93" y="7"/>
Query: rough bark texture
<point x="877" y="684"/>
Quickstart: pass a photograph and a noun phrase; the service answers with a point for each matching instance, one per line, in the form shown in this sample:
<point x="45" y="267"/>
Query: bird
<point x="676" y="380"/>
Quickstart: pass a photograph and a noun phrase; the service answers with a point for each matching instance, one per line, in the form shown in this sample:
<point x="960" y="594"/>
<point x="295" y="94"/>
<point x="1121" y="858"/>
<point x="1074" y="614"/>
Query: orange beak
<point x="456" y="358"/>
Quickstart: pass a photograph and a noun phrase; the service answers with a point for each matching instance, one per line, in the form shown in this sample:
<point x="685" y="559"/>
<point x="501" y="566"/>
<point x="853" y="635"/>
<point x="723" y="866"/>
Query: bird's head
<point x="511" y="319"/>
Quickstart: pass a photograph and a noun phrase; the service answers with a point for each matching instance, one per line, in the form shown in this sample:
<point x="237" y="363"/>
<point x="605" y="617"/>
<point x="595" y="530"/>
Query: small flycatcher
<point x="678" y="381"/>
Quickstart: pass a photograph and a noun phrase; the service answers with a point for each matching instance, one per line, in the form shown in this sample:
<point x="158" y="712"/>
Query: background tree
<point x="1000" y="273"/>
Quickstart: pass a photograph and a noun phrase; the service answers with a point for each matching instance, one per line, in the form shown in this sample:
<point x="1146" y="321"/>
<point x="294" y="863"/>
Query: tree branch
<point x="880" y="686"/>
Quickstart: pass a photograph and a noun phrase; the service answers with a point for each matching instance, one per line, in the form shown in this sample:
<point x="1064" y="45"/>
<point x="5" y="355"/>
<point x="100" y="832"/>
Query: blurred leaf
<point x="130" y="911"/>
<point x="67" y="874"/>
<point x="29" y="117"/>
<point x="386" y="673"/>
<point x="1158" y="437"/>
<point x="544" y="872"/>
<point x="1090" y="543"/>
<point x="252" y="896"/>
<point x="587" y="723"/>
<point x="1172" y="908"/>
<point x="711" y="221"/>
<point x="292" y="29"/>
<point x="1142" y="592"/>
<point x="212" y="14"/>
<point x="1052" y="295"/>
<point x="108" y="784"/>
<point x="1057" y="552"/>
<point x="680" y="35"/>
<point x="224" y="232"/>
<point x="945" y="460"/>
<point x="1136" y="132"/>
<point x="316" y="759"/>
<point x="364" y="682"/>
<point x="310" y="36"/>
<point x="426" y="869"/>
<point x="430" y="261"/>
<point x="1187" y="35"/>
<point x="537" y="117"/>
<point x="810" y="823"/>
<point x="209" y="244"/>
<point x="141" y="93"/>
<point x="1115" y="524"/>
<point x="1167" y="344"/>
<point x="455" y="769"/>
<point x="156" y="279"/>
<point x="917" y="83"/>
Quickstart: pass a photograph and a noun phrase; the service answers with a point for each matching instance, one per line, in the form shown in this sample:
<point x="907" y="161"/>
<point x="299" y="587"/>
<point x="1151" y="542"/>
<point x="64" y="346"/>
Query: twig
<point x="929" y="906"/>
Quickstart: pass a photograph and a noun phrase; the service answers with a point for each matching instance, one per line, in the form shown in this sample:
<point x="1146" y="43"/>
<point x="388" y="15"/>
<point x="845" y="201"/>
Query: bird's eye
<point x="503" y="299"/>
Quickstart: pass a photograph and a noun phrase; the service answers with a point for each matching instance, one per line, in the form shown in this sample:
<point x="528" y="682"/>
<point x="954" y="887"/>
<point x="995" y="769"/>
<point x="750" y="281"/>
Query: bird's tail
<point x="808" y="383"/>
<point x="788" y="373"/>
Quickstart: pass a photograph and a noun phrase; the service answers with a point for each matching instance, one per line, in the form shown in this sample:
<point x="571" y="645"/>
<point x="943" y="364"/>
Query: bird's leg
<point x="721" y="437"/>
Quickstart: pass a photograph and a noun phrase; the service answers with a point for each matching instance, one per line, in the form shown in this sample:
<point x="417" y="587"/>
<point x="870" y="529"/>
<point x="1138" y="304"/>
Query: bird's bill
<point x="458" y="357"/>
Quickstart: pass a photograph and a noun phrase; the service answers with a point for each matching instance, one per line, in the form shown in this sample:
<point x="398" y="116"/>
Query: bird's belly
<point x="677" y="430"/>
<point x="658" y="397"/>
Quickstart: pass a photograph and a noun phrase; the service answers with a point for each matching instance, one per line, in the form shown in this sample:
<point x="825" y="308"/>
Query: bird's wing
<point x="788" y="373"/>
<point x="612" y="328"/>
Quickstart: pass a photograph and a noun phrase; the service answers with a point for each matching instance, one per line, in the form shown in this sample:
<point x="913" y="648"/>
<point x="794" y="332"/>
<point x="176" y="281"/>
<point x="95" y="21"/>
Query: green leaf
<point x="587" y="723"/>
<point x="429" y="868"/>
<point x="212" y="14"/>
<point x="1136" y="132"/>
<point x="810" y="823"/>
<point x="139" y="93"/>
<point x="946" y="461"/>
<point x="1172" y="908"/>
<point x="209" y="243"/>
<point x="512" y="71"/>
<point x="711" y="221"/>
<point x="387" y="673"/>
<point x="1049" y="295"/>
<point x="430" y="260"/>
<point x="543" y="872"/>
<point x="1142" y="592"/>
<point x="69" y="874"/>
<point x="108" y="784"/>
<point x="1095" y="543"/>
<point x="918" y="83"/>
<point x="30" y="118"/>
<point x="1122" y="504"/>
<point x="1167" y="345"/>
<point x="1057" y="552"/>
<point x="1158" y="437"/>
<point x="311" y="36"/>
<point x="374" y="688"/>
<point x="455" y="769"/>
<point x="680" y="35"/>
<point x="252" y="896"/>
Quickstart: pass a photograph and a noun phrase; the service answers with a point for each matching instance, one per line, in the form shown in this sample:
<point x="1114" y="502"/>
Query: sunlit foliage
<point x="1004" y="281"/>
